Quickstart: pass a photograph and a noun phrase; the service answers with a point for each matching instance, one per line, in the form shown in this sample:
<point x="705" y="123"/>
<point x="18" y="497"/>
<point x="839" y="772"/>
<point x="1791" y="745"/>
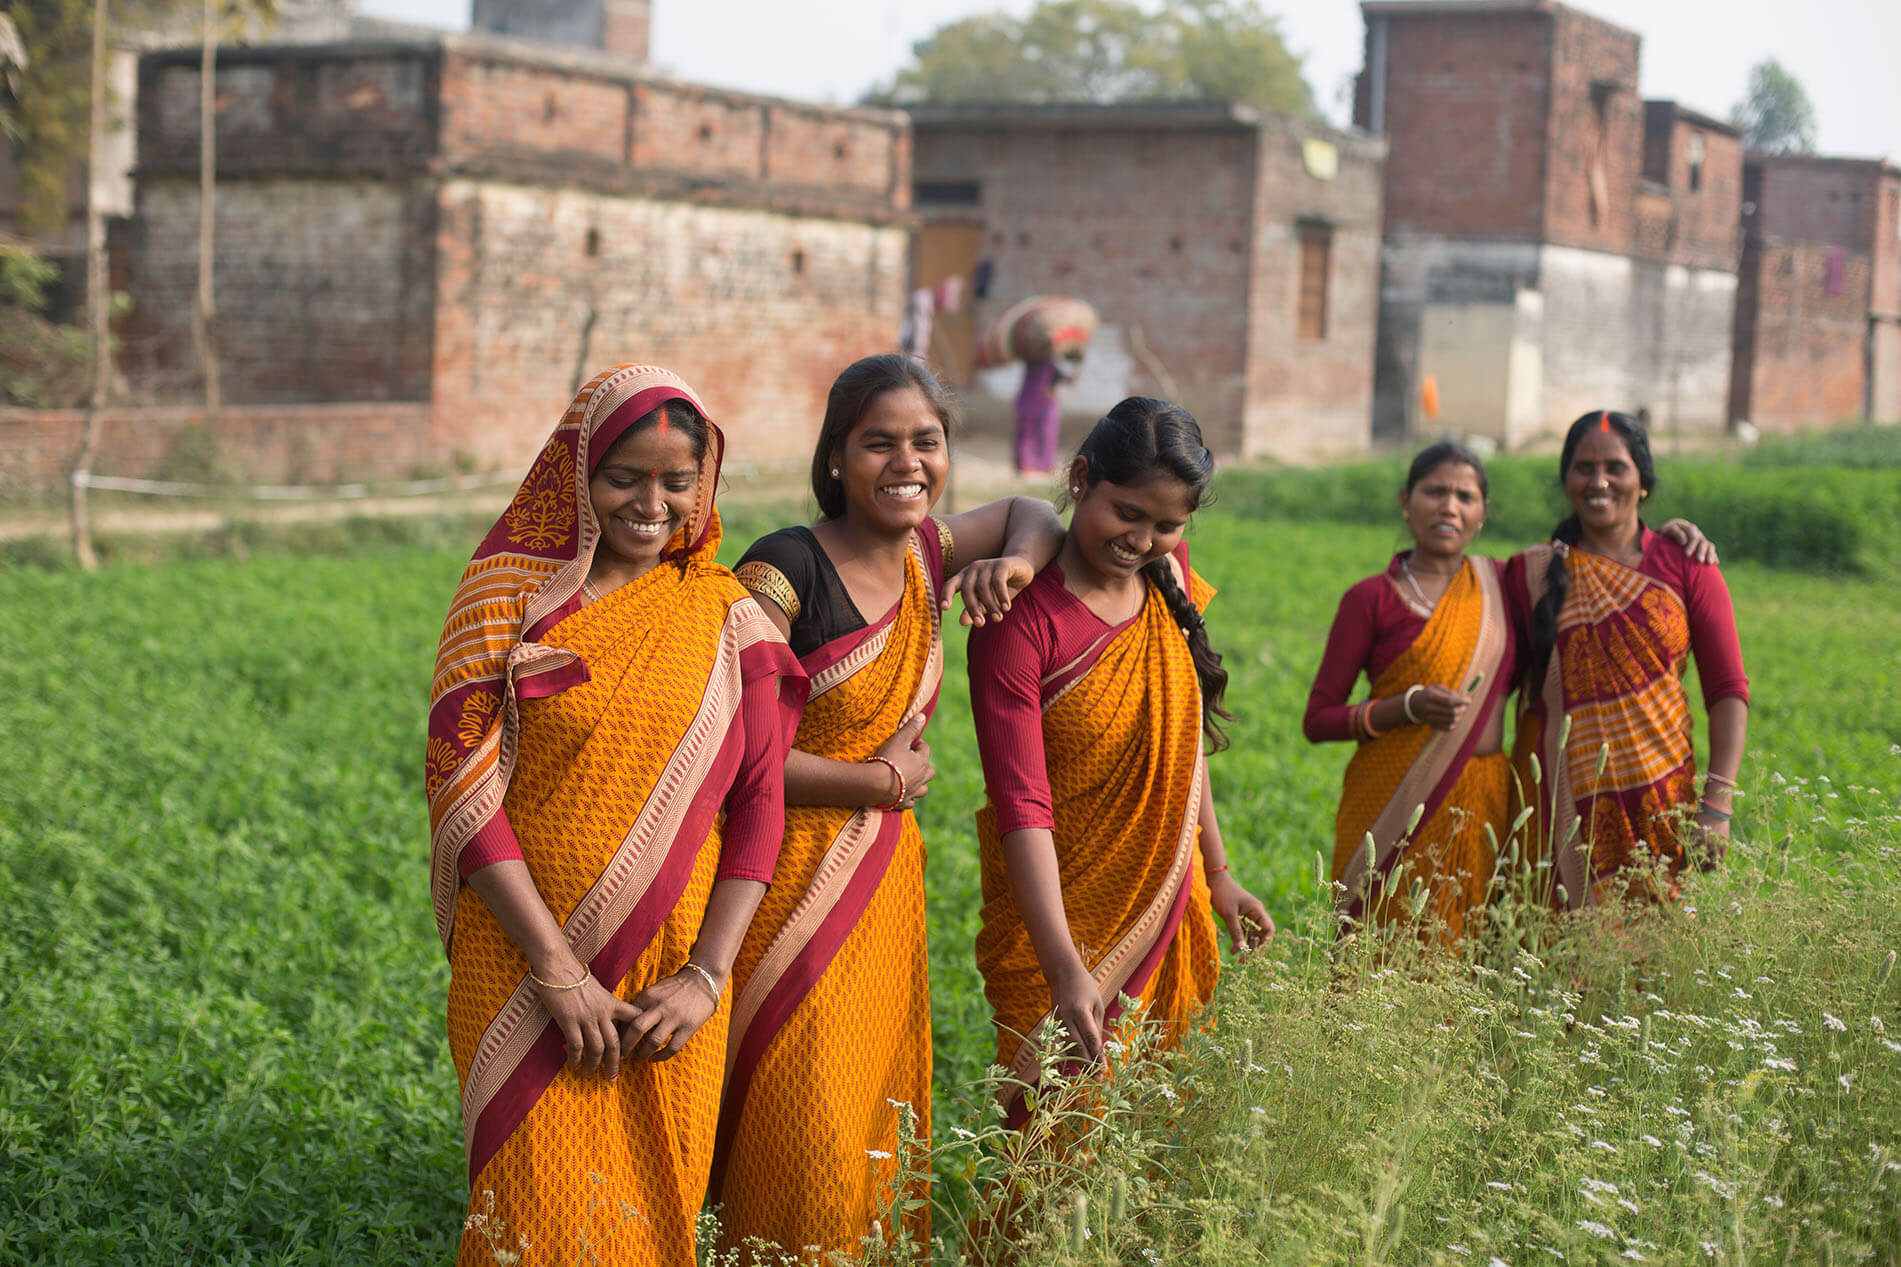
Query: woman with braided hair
<point x="1610" y="611"/>
<point x="1102" y="859"/>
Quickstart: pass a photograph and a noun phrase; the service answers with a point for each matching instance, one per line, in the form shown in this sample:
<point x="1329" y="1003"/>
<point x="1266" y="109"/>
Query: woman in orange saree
<point x="1102" y="860"/>
<point x="832" y="1020"/>
<point x="1434" y="638"/>
<point x="608" y="724"/>
<point x="1612" y="613"/>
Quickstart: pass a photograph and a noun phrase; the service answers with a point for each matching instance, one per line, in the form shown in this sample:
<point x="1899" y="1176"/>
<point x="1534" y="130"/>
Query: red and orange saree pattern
<point x="831" y="1015"/>
<point x="607" y="737"/>
<point x="1465" y="646"/>
<point x="1612" y="730"/>
<point x="1122" y="732"/>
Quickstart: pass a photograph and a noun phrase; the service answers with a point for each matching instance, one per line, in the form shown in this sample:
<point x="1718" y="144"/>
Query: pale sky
<point x="1697" y="52"/>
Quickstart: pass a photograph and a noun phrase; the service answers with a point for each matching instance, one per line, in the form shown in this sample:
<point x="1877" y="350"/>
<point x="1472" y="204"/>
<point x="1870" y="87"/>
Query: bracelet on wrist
<point x="898" y="774"/>
<point x="712" y="986"/>
<point x="549" y="985"/>
<point x="1720" y="815"/>
<point x="1366" y="720"/>
<point x="1407" y="702"/>
<point x="1721" y="780"/>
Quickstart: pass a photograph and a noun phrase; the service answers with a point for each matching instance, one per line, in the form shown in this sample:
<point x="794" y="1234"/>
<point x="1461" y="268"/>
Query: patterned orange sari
<point x="1122" y="737"/>
<point x="608" y="735"/>
<point x="1617" y="673"/>
<point x="831" y="1012"/>
<point x="1467" y="640"/>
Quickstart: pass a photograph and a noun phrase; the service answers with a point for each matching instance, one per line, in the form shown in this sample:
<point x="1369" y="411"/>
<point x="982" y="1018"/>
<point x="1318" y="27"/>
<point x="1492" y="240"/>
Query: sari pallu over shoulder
<point x="1125" y="783"/>
<point x="511" y="638"/>
<point x="1465" y="643"/>
<point x="1612" y="691"/>
<point x="838" y="867"/>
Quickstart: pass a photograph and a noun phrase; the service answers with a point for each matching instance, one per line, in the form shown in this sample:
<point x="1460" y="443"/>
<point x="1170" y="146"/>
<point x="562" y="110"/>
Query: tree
<point x="1775" y="114"/>
<point x="1106" y="51"/>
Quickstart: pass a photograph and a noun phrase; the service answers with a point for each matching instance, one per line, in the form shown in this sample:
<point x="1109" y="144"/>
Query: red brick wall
<point x="1465" y="114"/>
<point x="1594" y="134"/>
<point x="1151" y="225"/>
<point x="263" y="445"/>
<point x="322" y="286"/>
<point x="1700" y="227"/>
<point x="539" y="288"/>
<point x="1803" y="353"/>
<point x="1313" y="397"/>
<point x="1818" y="200"/>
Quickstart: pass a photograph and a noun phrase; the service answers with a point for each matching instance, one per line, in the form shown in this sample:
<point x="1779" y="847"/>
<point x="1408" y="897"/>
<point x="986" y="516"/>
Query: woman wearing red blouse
<point x="1611" y="612"/>
<point x="1102" y="859"/>
<point x="1435" y="635"/>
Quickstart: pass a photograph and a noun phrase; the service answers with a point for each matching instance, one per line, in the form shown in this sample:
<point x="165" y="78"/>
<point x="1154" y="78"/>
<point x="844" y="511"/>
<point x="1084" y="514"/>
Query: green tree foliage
<point x="1775" y="114"/>
<point x="1108" y="51"/>
<point x="54" y="100"/>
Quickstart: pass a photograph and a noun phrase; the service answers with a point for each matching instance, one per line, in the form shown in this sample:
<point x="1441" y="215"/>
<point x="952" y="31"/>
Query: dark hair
<point x="1136" y="441"/>
<point x="1440" y="454"/>
<point x="1544" y="616"/>
<point x="852" y="394"/>
<point x="680" y="415"/>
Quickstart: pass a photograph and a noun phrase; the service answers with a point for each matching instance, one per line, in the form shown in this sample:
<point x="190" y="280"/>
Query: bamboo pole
<point x="98" y="301"/>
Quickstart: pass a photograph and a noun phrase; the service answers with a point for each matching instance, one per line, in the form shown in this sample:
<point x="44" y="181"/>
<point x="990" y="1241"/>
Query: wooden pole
<point x="205" y="310"/>
<point x="98" y="301"/>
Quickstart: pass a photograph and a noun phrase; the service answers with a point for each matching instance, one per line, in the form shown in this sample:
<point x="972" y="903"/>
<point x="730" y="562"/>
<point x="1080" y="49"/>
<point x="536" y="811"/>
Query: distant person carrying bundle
<point x="607" y="737"/>
<point x="1049" y="334"/>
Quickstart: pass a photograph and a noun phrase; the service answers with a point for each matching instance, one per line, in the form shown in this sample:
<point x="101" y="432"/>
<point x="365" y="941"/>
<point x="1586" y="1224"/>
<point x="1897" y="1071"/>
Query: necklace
<point x="1427" y="604"/>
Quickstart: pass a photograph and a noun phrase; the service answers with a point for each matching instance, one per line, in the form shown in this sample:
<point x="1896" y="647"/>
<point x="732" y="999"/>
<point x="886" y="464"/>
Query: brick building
<point x="477" y="223"/>
<point x="1231" y="255"/>
<point x="1553" y="242"/>
<point x="1818" y="313"/>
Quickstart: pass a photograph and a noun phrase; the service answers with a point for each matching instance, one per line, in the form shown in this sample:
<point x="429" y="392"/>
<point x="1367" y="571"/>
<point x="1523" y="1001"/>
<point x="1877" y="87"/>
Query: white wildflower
<point x="1834" y="1022"/>
<point x="1651" y="1140"/>
<point x="877" y="1154"/>
<point x="1596" y="1229"/>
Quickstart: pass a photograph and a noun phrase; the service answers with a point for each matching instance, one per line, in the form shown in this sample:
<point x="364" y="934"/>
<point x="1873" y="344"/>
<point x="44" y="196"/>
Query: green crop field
<point x="221" y="994"/>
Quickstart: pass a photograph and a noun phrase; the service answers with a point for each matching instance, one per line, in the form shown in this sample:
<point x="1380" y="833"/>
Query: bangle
<point x="1721" y="816"/>
<point x="892" y="766"/>
<point x="704" y="975"/>
<point x="1711" y="776"/>
<point x="1215" y="870"/>
<point x="1407" y="702"/>
<point x="549" y="985"/>
<point x="1366" y="720"/>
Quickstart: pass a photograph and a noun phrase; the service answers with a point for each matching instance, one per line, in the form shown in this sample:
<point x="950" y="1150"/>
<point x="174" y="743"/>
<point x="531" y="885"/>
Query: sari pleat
<point x="1445" y="864"/>
<point x="1122" y="738"/>
<point x="832" y="1020"/>
<point x="1616" y="672"/>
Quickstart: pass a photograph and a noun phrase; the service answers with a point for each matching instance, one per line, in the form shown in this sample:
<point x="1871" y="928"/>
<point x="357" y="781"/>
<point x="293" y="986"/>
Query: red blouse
<point x="1047" y="628"/>
<point x="1712" y="617"/>
<point x="1371" y="629"/>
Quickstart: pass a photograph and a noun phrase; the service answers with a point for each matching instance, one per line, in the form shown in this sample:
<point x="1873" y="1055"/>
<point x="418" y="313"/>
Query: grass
<point x="222" y="1017"/>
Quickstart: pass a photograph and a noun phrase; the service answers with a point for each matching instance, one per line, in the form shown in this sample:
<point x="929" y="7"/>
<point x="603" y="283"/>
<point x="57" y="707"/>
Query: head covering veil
<point x="524" y="578"/>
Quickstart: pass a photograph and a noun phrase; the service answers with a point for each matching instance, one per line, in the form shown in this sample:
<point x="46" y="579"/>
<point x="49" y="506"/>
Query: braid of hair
<point x="1544" y="616"/>
<point x="1213" y="678"/>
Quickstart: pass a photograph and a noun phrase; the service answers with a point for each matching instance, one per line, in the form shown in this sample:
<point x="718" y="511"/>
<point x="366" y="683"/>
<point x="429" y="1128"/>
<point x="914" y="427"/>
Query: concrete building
<point x="468" y="226"/>
<point x="1553" y="242"/>
<point x="1232" y="256"/>
<point x="1818" y="313"/>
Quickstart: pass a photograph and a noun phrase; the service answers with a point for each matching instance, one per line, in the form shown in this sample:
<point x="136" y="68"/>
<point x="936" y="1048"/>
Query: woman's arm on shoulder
<point x="996" y="550"/>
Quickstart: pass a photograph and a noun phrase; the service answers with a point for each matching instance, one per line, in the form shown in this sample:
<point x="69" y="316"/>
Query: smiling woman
<point x="607" y="733"/>
<point x="832" y="1023"/>
<point x="1611" y="611"/>
<point x="1103" y="865"/>
<point x="1432" y="635"/>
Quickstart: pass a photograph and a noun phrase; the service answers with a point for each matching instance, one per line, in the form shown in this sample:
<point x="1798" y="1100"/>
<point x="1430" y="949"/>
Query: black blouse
<point x="791" y="568"/>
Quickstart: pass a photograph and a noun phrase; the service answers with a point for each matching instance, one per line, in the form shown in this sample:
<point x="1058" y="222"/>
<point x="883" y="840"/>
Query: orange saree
<point x="1616" y="674"/>
<point x="1466" y="641"/>
<point x="831" y="1014"/>
<point x="608" y="737"/>
<point x="1122" y="735"/>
